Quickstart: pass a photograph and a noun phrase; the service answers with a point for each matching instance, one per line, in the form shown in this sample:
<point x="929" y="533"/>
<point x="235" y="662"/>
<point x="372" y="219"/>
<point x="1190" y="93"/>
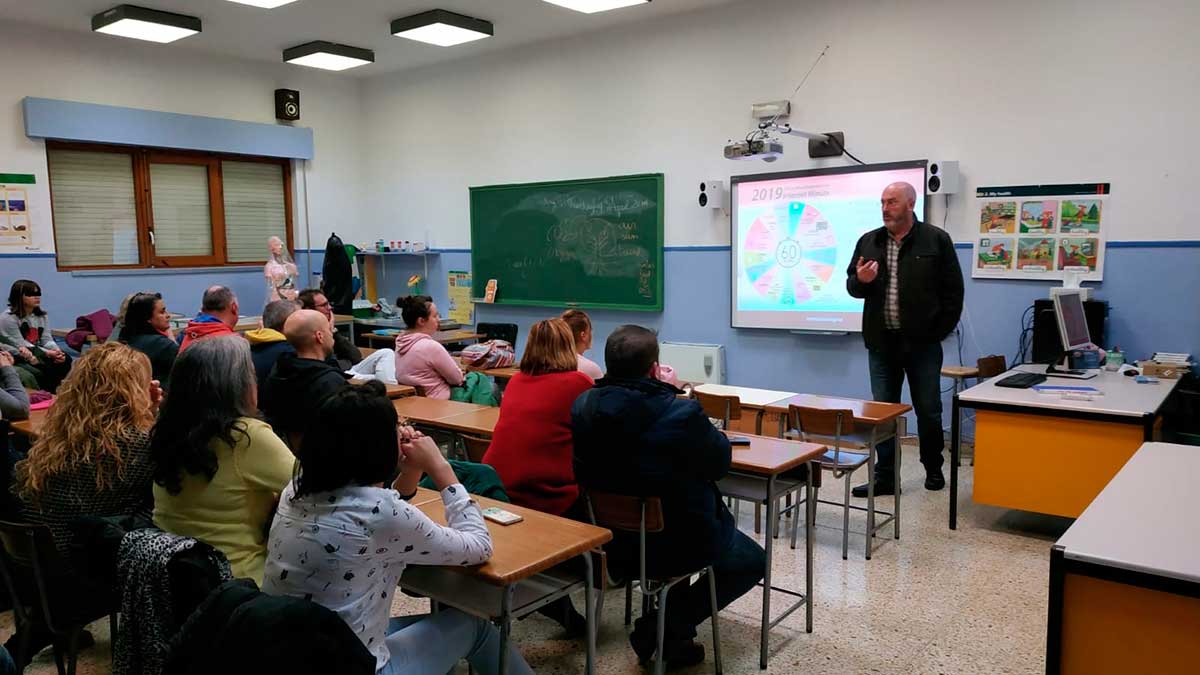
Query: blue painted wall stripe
<point x="73" y="121"/>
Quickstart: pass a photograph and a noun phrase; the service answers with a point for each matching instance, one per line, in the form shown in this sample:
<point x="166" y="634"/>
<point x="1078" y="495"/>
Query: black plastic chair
<point x="498" y="331"/>
<point x="29" y="564"/>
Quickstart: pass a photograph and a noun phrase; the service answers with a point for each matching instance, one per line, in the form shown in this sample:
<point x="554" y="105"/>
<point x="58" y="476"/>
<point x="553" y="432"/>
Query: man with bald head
<point x="908" y="275"/>
<point x="218" y="315"/>
<point x="300" y="381"/>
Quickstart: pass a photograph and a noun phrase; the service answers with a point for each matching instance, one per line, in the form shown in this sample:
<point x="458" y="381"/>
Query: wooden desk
<point x="430" y="411"/>
<point x="445" y="337"/>
<point x="1045" y="454"/>
<point x="498" y="373"/>
<point x="394" y="391"/>
<point x="477" y="422"/>
<point x="868" y="413"/>
<point x="1125" y="578"/>
<point x="30" y="427"/>
<point x="754" y="400"/>
<point x="519" y="577"/>
<point x="762" y="462"/>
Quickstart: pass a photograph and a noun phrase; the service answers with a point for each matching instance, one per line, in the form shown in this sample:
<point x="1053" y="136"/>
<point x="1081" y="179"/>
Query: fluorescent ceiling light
<point x="442" y="28"/>
<point x="265" y="4"/>
<point x="593" y="6"/>
<point x="328" y="55"/>
<point x="145" y="24"/>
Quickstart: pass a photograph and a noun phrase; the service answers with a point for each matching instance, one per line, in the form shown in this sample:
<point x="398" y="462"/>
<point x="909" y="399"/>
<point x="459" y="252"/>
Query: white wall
<point x="1025" y="91"/>
<point x="115" y="71"/>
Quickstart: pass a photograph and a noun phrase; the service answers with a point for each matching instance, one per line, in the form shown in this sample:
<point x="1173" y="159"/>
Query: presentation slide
<point x="793" y="235"/>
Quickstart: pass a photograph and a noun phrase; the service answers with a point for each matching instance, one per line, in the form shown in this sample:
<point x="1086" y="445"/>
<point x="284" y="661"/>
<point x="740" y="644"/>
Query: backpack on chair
<point x="488" y="355"/>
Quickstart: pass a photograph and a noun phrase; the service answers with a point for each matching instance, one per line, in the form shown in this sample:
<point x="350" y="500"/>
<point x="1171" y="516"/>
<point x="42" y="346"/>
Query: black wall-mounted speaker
<point x="287" y="105"/>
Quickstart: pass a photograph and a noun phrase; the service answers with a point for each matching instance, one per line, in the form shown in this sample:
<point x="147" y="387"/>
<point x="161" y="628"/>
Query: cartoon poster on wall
<point x="15" y="223"/>
<point x="998" y="218"/>
<point x="1058" y="231"/>
<point x="995" y="253"/>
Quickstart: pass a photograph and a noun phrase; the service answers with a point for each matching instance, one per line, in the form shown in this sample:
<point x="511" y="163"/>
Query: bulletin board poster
<point x="15" y="224"/>
<point x="461" y="310"/>
<point x="1041" y="231"/>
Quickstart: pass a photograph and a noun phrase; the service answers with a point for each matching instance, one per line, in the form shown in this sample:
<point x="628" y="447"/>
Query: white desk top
<point x="1144" y="520"/>
<point x="1122" y="396"/>
<point x="749" y="396"/>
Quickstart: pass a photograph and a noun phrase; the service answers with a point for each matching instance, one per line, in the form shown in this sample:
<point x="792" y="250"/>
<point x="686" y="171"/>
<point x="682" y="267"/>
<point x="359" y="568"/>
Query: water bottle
<point x="1115" y="359"/>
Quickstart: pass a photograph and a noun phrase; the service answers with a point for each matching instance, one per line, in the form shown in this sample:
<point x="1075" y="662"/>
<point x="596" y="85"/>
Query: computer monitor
<point x="1072" y="322"/>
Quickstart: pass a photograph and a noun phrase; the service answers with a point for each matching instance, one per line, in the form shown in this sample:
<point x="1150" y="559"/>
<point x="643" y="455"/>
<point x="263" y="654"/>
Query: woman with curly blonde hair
<point x="91" y="458"/>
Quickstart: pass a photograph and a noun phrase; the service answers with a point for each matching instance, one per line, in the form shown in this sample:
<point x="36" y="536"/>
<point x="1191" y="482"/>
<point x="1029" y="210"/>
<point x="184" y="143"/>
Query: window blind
<point x="182" y="216"/>
<point x="95" y="218"/>
<point x="254" y="208"/>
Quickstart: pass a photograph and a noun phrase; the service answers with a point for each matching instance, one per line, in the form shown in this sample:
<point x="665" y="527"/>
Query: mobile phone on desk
<point x="739" y="440"/>
<point x="499" y="515"/>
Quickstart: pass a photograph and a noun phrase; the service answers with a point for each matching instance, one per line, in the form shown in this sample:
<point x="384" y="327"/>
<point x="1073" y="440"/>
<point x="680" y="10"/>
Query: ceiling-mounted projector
<point x="765" y="149"/>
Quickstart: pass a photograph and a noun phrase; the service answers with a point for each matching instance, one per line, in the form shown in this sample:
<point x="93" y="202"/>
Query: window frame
<point x="141" y="158"/>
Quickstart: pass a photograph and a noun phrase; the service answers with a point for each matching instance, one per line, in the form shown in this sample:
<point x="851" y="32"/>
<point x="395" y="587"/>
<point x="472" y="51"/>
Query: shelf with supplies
<point x="373" y="267"/>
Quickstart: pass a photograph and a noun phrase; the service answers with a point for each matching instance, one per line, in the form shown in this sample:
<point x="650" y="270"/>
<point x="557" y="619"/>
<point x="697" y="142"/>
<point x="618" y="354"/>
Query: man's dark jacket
<point x="931" y="285"/>
<point x="636" y="437"/>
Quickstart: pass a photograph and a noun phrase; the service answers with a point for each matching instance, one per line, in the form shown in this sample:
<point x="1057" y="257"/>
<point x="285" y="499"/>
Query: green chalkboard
<point x="583" y="243"/>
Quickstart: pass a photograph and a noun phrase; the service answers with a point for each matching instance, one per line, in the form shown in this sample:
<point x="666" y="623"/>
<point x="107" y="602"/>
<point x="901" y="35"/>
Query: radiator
<point x="694" y="363"/>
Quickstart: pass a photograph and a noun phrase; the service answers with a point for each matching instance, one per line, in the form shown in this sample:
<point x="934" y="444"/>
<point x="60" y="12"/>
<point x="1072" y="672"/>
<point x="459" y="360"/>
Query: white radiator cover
<point x="694" y="363"/>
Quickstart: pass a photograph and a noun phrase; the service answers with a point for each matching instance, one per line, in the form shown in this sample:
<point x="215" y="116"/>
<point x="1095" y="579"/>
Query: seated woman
<point x="218" y="469"/>
<point x="344" y="534"/>
<point x="147" y="328"/>
<point x="14" y="400"/>
<point x="420" y="360"/>
<point x="91" y="458"/>
<point x="25" y="333"/>
<point x="581" y="328"/>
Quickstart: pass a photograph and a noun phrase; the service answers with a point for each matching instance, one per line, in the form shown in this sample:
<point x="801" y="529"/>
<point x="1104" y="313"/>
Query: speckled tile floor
<point x="972" y="601"/>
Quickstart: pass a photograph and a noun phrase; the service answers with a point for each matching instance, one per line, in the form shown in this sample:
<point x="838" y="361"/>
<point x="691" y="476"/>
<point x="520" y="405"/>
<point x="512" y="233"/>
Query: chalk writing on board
<point x="588" y="202"/>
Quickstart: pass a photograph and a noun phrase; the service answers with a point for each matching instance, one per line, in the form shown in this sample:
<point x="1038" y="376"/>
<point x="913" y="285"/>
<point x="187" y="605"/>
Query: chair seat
<point x="751" y="489"/>
<point x="858" y="439"/>
<point x="842" y="460"/>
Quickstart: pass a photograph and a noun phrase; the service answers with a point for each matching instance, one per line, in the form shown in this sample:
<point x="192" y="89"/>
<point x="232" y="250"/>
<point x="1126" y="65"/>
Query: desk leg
<point x="955" y="448"/>
<point x="901" y="432"/>
<point x="589" y="609"/>
<point x="758" y="418"/>
<point x="505" y="626"/>
<point x="810" y="513"/>
<point x="768" y="531"/>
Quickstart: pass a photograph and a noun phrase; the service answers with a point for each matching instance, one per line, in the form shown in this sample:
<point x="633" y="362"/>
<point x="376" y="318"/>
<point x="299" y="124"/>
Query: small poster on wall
<point x="15" y="225"/>
<point x="462" y="310"/>
<point x="1041" y="231"/>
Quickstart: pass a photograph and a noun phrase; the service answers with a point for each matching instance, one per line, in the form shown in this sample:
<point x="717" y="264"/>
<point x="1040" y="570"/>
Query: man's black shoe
<point x="881" y="488"/>
<point x="935" y="481"/>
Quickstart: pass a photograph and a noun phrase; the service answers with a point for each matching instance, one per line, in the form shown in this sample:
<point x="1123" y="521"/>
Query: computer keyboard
<point x="1021" y="380"/>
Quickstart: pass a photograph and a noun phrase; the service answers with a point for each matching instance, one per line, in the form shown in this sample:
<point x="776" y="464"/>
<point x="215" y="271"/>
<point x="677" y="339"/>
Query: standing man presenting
<point x="908" y="274"/>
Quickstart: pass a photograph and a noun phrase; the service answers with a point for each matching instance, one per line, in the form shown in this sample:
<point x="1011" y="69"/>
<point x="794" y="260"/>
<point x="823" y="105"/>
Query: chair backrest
<point x="475" y="447"/>
<point x="498" y="331"/>
<point x="829" y="422"/>
<point x="625" y="512"/>
<point x="991" y="366"/>
<point x="724" y="408"/>
<point x="29" y="556"/>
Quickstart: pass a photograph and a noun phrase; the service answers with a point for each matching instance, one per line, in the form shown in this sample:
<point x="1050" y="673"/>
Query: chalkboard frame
<point x="479" y="284"/>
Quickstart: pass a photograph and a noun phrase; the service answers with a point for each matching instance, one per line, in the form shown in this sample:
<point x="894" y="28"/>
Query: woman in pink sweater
<point x="420" y="360"/>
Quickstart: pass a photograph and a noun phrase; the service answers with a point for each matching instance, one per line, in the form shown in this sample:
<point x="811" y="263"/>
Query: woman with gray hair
<point x="218" y="468"/>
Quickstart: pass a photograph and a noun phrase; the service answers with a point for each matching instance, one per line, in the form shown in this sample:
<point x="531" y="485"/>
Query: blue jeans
<point x="922" y="364"/>
<point x="738" y="570"/>
<point x="427" y="644"/>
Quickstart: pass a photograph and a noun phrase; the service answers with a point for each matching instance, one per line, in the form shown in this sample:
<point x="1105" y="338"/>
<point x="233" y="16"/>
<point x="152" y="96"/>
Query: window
<point x="139" y="207"/>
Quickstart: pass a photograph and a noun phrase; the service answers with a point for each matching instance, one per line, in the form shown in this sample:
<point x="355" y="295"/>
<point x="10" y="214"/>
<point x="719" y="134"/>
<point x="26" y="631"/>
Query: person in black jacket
<point x="269" y="343"/>
<point x="634" y="436"/>
<point x="300" y="381"/>
<point x="908" y="274"/>
<point x="147" y="328"/>
<point x="344" y="351"/>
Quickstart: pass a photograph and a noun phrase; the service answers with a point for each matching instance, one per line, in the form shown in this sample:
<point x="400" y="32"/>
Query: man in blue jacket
<point x="634" y="436"/>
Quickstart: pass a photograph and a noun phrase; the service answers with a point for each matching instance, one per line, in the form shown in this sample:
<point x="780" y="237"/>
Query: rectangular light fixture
<point x="593" y="6"/>
<point x="441" y="28"/>
<point x="265" y="4"/>
<point x="328" y="55"/>
<point x="141" y="23"/>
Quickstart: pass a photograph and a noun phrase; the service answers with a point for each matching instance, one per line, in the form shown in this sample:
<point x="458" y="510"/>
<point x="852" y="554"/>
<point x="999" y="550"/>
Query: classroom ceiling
<point x="247" y="32"/>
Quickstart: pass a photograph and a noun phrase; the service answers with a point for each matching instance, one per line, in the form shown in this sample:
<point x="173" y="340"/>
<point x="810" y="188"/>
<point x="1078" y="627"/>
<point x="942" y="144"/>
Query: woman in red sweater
<point x="532" y="445"/>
